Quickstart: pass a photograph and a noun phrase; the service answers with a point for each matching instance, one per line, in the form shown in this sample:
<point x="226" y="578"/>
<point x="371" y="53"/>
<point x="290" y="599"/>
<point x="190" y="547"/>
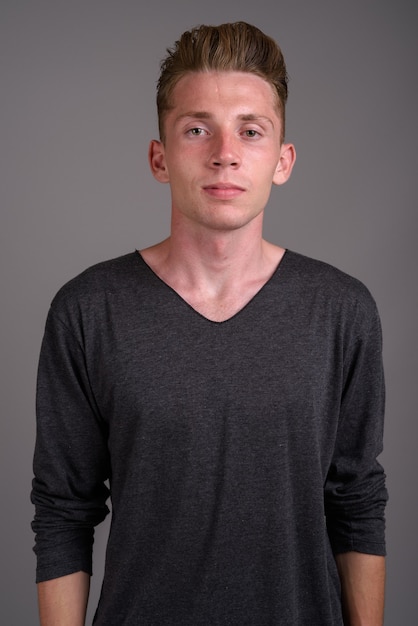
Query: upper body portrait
<point x="225" y="392"/>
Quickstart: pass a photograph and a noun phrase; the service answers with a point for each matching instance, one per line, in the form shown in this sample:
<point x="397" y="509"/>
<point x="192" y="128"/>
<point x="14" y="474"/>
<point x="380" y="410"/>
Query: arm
<point x="63" y="601"/>
<point x="71" y="460"/>
<point x="355" y="492"/>
<point x="363" y="585"/>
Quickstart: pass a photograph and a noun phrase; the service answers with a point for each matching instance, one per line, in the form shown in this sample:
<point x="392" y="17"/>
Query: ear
<point x="285" y="165"/>
<point x="156" y="159"/>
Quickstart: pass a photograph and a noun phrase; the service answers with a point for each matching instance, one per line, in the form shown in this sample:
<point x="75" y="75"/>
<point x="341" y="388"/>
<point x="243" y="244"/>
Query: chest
<point x="262" y="377"/>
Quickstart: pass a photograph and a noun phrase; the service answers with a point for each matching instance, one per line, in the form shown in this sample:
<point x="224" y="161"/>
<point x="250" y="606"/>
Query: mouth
<point x="224" y="191"/>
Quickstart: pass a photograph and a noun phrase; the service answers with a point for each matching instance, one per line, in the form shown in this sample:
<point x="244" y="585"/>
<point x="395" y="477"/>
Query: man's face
<point x="222" y="149"/>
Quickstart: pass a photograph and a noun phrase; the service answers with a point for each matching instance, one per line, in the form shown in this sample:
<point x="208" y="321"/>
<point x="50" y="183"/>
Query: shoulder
<point x="321" y="288"/>
<point x="320" y="277"/>
<point x="99" y="281"/>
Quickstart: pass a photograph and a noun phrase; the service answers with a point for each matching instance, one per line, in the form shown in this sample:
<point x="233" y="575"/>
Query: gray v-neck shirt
<point x="241" y="454"/>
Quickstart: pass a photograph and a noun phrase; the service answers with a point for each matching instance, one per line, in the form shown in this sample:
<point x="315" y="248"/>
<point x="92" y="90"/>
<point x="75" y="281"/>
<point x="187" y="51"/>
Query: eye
<point x="251" y="133"/>
<point x="196" y="132"/>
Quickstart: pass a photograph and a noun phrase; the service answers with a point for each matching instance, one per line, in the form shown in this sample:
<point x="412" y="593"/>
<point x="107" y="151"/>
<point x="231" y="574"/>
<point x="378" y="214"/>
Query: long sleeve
<point x="222" y="438"/>
<point x="355" y="493"/>
<point x="71" y="460"/>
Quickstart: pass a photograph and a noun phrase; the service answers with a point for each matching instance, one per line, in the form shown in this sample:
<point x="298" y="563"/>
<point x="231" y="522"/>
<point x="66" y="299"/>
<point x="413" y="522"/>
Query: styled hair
<point x="237" y="46"/>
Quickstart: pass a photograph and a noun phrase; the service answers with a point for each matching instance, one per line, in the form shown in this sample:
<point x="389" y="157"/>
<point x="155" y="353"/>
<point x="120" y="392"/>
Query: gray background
<point x="77" y="113"/>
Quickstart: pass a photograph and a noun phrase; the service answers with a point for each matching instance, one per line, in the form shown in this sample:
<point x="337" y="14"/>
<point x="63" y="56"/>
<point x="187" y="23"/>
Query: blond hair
<point x="237" y="46"/>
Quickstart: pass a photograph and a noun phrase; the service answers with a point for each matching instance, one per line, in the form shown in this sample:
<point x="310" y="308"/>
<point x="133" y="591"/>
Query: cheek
<point x="266" y="176"/>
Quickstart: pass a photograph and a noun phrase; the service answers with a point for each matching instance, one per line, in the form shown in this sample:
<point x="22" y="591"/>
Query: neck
<point x="215" y="256"/>
<point x="217" y="273"/>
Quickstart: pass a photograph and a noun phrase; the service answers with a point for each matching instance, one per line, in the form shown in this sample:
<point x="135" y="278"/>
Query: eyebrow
<point x="205" y="115"/>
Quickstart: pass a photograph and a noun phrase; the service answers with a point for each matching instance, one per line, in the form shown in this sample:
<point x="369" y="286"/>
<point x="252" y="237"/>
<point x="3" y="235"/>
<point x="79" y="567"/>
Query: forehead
<point x="227" y="88"/>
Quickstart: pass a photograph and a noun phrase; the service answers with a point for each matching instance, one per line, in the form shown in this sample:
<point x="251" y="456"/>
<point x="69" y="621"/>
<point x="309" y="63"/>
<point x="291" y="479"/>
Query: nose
<point x="225" y="151"/>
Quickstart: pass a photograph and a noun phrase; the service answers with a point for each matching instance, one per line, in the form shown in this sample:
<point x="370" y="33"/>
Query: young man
<point x="230" y="390"/>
